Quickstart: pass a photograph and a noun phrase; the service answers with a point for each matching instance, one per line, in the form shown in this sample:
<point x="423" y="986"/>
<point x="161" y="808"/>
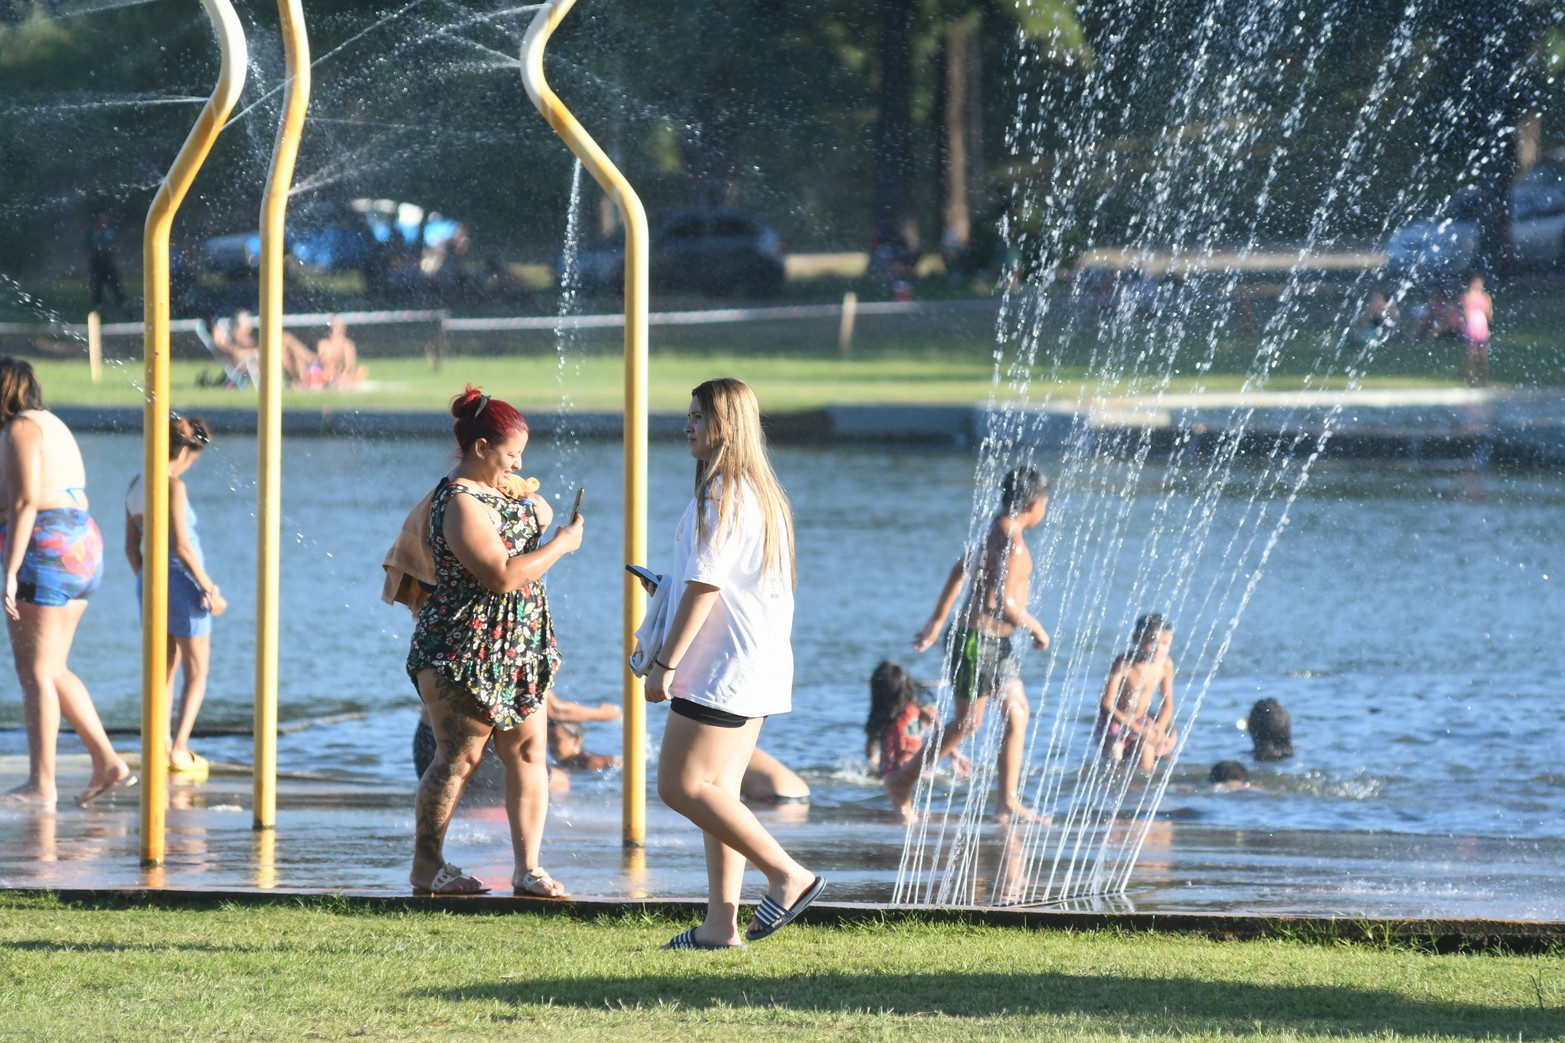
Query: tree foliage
<point x="779" y="108"/>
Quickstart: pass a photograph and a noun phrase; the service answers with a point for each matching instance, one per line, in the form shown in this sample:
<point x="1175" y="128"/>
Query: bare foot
<point x="1015" y="813"/>
<point x="104" y="782"/>
<point x="25" y="796"/>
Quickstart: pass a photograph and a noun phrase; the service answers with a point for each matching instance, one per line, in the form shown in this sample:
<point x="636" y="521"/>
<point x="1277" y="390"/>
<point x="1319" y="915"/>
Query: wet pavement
<point x="339" y="837"/>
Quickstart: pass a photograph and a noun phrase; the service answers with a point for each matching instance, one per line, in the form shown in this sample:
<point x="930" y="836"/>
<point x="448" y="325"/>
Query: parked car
<point x="364" y="235"/>
<point x="718" y="252"/>
<point x="1446" y="243"/>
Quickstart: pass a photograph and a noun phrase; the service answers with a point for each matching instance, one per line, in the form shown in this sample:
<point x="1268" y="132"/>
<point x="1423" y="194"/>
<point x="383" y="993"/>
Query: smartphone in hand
<point x="576" y="507"/>
<point x="645" y="575"/>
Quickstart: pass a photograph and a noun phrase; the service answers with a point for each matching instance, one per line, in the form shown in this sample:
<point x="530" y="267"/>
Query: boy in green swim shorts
<point x="997" y="575"/>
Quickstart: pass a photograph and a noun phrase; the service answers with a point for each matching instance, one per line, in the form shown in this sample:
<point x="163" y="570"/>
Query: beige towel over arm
<point x="410" y="564"/>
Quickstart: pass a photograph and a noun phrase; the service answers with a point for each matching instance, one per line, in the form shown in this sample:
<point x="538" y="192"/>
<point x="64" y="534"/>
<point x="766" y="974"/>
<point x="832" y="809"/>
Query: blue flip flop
<point x="773" y="917"/>
<point x="688" y="940"/>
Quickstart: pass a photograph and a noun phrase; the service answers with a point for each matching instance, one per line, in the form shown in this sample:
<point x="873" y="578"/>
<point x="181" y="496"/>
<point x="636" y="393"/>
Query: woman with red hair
<point x="483" y="654"/>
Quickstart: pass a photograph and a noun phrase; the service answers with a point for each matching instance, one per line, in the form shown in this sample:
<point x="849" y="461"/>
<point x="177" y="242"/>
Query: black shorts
<point x="706" y="714"/>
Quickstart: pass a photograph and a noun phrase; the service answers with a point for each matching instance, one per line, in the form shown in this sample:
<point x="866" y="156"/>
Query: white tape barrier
<point x="528" y="322"/>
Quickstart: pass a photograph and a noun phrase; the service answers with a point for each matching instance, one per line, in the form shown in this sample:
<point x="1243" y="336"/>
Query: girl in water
<point x="193" y="599"/>
<point x="895" y="730"/>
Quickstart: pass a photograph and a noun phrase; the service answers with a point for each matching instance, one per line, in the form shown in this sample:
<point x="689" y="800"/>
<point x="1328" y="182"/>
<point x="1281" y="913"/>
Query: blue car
<point x="1446" y="243"/>
<point x="363" y="236"/>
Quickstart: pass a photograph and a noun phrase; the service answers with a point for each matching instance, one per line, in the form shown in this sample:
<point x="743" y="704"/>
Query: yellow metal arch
<point x="636" y="293"/>
<point x="268" y="537"/>
<point x="155" y="419"/>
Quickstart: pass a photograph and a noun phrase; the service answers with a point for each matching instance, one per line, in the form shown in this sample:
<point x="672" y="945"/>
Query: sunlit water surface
<point x="1406" y="620"/>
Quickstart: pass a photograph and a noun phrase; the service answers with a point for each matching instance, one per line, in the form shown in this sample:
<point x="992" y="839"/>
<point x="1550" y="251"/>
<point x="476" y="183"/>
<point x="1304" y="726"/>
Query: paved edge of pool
<point x="1425" y="424"/>
<point x="1443" y="935"/>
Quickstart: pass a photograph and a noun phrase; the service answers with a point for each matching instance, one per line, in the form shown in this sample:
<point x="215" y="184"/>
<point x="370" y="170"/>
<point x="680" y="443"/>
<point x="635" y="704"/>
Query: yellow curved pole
<point x="268" y="514"/>
<point x="154" y="552"/>
<point x="635" y="219"/>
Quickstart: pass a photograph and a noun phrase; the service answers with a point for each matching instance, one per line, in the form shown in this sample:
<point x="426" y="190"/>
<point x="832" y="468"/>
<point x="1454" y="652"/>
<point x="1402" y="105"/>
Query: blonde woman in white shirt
<point x="726" y="661"/>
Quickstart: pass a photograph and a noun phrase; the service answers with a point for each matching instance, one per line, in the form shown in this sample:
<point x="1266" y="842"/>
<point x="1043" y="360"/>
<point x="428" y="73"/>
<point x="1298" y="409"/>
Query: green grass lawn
<point x="796" y="364"/>
<point x="533" y="383"/>
<point x="595" y="382"/>
<point x="321" y="970"/>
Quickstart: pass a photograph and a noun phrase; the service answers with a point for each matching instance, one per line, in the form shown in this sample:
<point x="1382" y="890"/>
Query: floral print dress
<point x="500" y="647"/>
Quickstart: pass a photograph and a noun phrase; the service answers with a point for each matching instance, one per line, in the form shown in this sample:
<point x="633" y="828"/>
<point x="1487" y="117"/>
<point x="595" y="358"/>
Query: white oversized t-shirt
<point x="741" y="660"/>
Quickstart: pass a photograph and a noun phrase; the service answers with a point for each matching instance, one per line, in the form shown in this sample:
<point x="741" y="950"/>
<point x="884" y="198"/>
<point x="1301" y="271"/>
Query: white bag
<point x="649" y="635"/>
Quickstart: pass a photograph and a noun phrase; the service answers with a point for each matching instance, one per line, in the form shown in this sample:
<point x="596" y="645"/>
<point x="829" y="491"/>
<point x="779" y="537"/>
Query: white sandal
<point x="447" y="875"/>
<point x="537" y="883"/>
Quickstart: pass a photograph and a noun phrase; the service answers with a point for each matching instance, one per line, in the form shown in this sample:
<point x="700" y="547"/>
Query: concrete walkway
<point x="341" y="837"/>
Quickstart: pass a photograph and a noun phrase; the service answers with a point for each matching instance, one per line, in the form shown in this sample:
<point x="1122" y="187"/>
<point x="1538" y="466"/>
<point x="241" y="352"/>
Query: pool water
<point x="1406" y="618"/>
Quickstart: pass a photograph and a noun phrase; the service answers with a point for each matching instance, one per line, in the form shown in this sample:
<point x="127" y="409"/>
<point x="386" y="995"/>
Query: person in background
<point x="1128" y="728"/>
<point x="193" y="598"/>
<point x="1229" y="775"/>
<point x="567" y="747"/>
<point x="997" y="575"/>
<point x="895" y="732"/>
<point x="769" y="781"/>
<point x="725" y="663"/>
<point x="102" y="241"/>
<point x="1271" y="730"/>
<point x="1377" y="319"/>
<point x="339" y="356"/>
<point x="237" y="344"/>
<point x="489" y="775"/>
<point x="1477" y="313"/>
<point x="483" y="653"/>
<point x="53" y="554"/>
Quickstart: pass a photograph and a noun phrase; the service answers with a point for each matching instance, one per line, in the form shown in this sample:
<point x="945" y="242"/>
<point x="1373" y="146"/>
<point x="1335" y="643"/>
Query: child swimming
<point x="1127" y="727"/>
<point x="895" y="733"/>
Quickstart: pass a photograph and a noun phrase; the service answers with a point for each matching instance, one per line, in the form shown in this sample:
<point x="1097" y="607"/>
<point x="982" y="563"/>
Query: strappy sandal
<point x="447" y="875"/>
<point x="537" y="883"/>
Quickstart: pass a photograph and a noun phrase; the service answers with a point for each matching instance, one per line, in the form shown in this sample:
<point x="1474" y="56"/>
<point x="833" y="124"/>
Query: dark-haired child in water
<point x="895" y="733"/>
<point x="566" y="746"/>
<point x="1127" y="726"/>
<point x="1271" y="730"/>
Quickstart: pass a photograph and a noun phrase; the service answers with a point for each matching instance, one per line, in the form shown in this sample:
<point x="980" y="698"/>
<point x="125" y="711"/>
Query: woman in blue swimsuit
<point x="53" y="555"/>
<point x="193" y="599"/>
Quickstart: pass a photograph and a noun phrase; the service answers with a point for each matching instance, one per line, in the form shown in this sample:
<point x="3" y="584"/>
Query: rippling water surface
<point x="1407" y="619"/>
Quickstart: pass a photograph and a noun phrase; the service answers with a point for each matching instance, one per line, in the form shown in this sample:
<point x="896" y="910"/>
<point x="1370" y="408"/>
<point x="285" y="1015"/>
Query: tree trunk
<point x="894" y="140"/>
<point x="962" y="141"/>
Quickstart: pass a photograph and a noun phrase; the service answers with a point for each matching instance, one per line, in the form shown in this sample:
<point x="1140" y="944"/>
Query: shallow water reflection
<point x="1397" y="620"/>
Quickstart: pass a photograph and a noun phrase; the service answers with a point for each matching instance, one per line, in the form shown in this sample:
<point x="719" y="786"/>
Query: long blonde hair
<point x="733" y="422"/>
